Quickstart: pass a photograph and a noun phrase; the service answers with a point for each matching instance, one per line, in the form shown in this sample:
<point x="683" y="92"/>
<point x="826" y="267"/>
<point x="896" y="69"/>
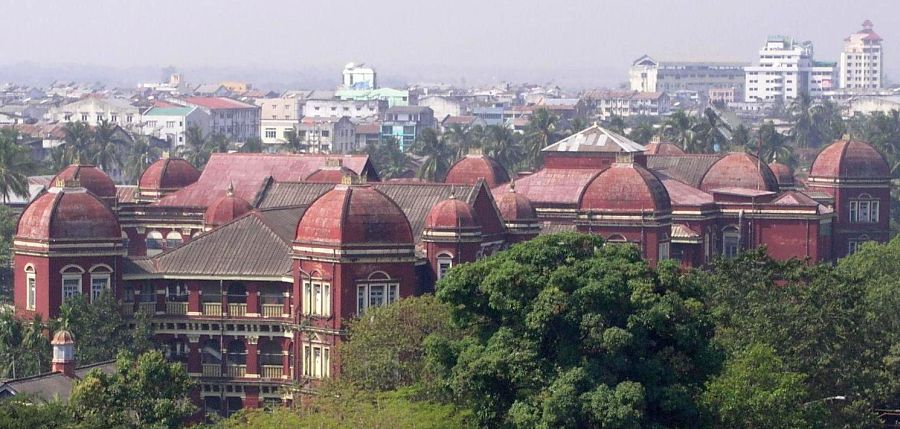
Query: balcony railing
<point x="272" y="310"/>
<point x="235" y="371"/>
<point x="237" y="310"/>
<point x="212" y="370"/>
<point x="176" y="308"/>
<point x="212" y="309"/>
<point x="272" y="371"/>
<point x="147" y="307"/>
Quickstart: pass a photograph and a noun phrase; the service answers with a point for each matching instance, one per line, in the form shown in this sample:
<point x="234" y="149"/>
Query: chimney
<point x="63" y="353"/>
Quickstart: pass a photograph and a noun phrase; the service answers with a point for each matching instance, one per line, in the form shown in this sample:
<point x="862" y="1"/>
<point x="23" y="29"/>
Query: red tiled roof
<point x="850" y="159"/>
<point x="168" y="173"/>
<point x="470" y="169"/>
<point x="552" y="187"/>
<point x="739" y="170"/>
<point x="683" y="195"/>
<point x="662" y="148"/>
<point x="68" y="213"/>
<point x="90" y="177"/>
<point x="625" y="188"/>
<point x="451" y="214"/>
<point x="354" y="215"/>
<point x="217" y="103"/>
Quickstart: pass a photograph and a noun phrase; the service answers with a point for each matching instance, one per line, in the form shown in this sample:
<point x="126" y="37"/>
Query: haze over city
<point x="281" y="44"/>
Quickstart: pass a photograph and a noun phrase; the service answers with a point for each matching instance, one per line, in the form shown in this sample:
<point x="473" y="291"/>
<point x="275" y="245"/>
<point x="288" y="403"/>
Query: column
<point x="285" y="358"/>
<point x="252" y="343"/>
<point x="253" y="308"/>
<point x="286" y="310"/>
<point x="160" y="297"/>
<point x="194" y="294"/>
<point x="251" y="397"/>
<point x="194" y="366"/>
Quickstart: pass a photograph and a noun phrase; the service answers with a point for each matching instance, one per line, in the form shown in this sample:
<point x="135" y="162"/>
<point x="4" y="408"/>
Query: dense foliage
<point x="100" y="329"/>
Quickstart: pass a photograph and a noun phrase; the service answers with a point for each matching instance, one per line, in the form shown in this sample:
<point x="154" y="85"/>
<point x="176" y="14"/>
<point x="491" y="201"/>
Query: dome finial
<point x="452" y="192"/>
<point x="230" y="190"/>
<point x="512" y="186"/>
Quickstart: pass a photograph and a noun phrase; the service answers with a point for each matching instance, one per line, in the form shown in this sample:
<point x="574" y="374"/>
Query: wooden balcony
<point x="272" y="310"/>
<point x="236" y="371"/>
<point x="272" y="371"/>
<point x="212" y="370"/>
<point x="176" y="308"/>
<point x="212" y="309"/>
<point x="237" y="310"/>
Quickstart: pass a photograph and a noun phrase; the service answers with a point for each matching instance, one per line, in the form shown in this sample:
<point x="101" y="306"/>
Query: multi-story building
<point x="405" y="123"/>
<point x="357" y="76"/>
<point x="328" y="135"/>
<point x="649" y="75"/>
<point x="783" y="72"/>
<point x="862" y="60"/>
<point x="93" y="110"/>
<point x="278" y="116"/>
<point x="335" y="107"/>
<point x="171" y="123"/>
<point x="607" y="103"/>
<point x="237" y="120"/>
<point x="392" y="97"/>
<point x="823" y="78"/>
<point x="444" y="106"/>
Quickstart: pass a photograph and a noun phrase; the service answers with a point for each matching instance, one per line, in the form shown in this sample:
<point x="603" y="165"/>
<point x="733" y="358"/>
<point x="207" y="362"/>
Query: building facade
<point x="862" y="60"/>
<point x="783" y="71"/>
<point x="606" y="103"/>
<point x="171" y="123"/>
<point x="94" y="110"/>
<point x="649" y="75"/>
<point x="236" y="120"/>
<point x="405" y="123"/>
<point x="328" y="135"/>
<point x="278" y="117"/>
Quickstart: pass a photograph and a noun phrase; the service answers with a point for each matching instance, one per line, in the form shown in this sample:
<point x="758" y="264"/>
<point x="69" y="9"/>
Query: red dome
<point x="68" y="214"/>
<point x="89" y="177"/>
<point x="450" y="214"/>
<point x="329" y="174"/>
<point x="63" y="337"/>
<point x="739" y="170"/>
<point x="354" y="214"/>
<point x="468" y="170"/>
<point x="625" y="188"/>
<point x="662" y="148"/>
<point x="783" y="174"/>
<point x="225" y="209"/>
<point x="850" y="159"/>
<point x="168" y="174"/>
<point x="514" y="206"/>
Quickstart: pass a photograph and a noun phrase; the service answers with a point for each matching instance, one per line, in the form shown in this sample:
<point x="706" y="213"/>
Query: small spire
<point x="512" y="187"/>
<point x="230" y="190"/>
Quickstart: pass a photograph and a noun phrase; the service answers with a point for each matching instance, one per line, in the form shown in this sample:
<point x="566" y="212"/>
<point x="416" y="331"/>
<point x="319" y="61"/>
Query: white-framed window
<point x="316" y="361"/>
<point x="616" y="238"/>
<point x="731" y="242"/>
<point x="155" y="243"/>
<point x="854" y="243"/>
<point x="663" y="251"/>
<point x="444" y="263"/>
<point x="30" y="287"/>
<point x="271" y="133"/>
<point x="173" y="239"/>
<point x="71" y="281"/>
<point x="316" y="298"/>
<point x="864" y="210"/>
<point x="100" y="280"/>
<point x="378" y="290"/>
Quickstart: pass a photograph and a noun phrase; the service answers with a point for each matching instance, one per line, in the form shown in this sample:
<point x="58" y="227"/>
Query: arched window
<point x="316" y="361"/>
<point x="864" y="209"/>
<point x="71" y="281"/>
<point x="731" y="242"/>
<point x="316" y="300"/>
<point x="210" y="353"/>
<point x="30" y="287"/>
<point x="617" y="238"/>
<point x="101" y="276"/>
<point x="444" y="263"/>
<point x="155" y="243"/>
<point x="377" y="290"/>
<point x="173" y="239"/>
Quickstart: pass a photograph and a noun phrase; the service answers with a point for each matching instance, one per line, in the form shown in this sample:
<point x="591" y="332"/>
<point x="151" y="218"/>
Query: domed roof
<point x="625" y="187"/>
<point x="168" y="173"/>
<point x="354" y="214"/>
<point x="450" y="214"/>
<point x="225" y="209"/>
<point x="514" y="206"/>
<point x="850" y="159"/>
<point x="89" y="177"/>
<point x="662" y="148"/>
<point x="63" y="336"/>
<point x="330" y="174"/>
<point x="468" y="170"/>
<point x="783" y="174"/>
<point x="68" y="214"/>
<point x="739" y="170"/>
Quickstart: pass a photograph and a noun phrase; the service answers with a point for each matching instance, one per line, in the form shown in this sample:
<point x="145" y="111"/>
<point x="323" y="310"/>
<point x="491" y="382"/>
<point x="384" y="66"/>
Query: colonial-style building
<point x="251" y="268"/>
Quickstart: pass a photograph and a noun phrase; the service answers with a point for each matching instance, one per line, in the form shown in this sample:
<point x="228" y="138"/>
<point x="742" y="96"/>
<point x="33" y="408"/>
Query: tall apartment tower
<point x="861" y="59"/>
<point x="783" y="73"/>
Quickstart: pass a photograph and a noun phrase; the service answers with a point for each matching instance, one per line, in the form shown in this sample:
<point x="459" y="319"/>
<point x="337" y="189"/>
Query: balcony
<point x="237" y="310"/>
<point x="212" y="309"/>
<point x="272" y="310"/>
<point x="147" y="307"/>
<point x="272" y="371"/>
<point x="236" y="371"/>
<point x="176" y="308"/>
<point x="212" y="370"/>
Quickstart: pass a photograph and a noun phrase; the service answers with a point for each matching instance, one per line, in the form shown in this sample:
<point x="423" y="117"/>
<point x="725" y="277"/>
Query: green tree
<point x="294" y="142"/>
<point x="757" y="390"/>
<point x="195" y="148"/>
<point x="568" y="332"/>
<point x="710" y="133"/>
<point x="642" y="133"/>
<point x="252" y="145"/>
<point x="803" y="128"/>
<point x="740" y="138"/>
<point x="385" y="348"/>
<point x="539" y="133"/>
<point x="7" y="232"/>
<point x="437" y="152"/>
<point x="78" y="139"/>
<point x="616" y="124"/>
<point x="106" y="148"/>
<point x="100" y="329"/>
<point x="145" y="392"/>
<point x="772" y="145"/>
<point x="24" y="412"/>
<point x="24" y="351"/>
<point x="138" y="157"/>
<point x="389" y="160"/>
<point x="463" y="139"/>
<point x="679" y="129"/>
<point x="15" y="164"/>
<point x="501" y="144"/>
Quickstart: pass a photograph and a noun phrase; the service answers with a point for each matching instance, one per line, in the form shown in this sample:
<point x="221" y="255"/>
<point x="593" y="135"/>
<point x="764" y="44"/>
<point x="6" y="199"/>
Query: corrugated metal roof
<point x="595" y="139"/>
<point x="689" y="168"/>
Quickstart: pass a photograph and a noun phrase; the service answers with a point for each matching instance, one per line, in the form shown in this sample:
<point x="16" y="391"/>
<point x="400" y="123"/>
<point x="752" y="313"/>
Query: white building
<point x="606" y="103"/>
<point x="328" y="135"/>
<point x="236" y="120"/>
<point x="278" y="116"/>
<point x="356" y="76"/>
<point x="649" y="75"/>
<point x="171" y="123"/>
<point x="861" y="60"/>
<point x="823" y="78"/>
<point x="783" y="72"/>
<point x="333" y="107"/>
<point x="94" y="110"/>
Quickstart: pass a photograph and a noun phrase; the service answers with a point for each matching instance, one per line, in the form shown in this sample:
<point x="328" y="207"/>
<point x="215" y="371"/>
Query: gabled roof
<point x="217" y="103"/>
<point x="552" y="186"/>
<point x="52" y="385"/>
<point x="595" y="139"/>
<point x="169" y="111"/>
<point x="688" y="168"/>
<point x="257" y="244"/>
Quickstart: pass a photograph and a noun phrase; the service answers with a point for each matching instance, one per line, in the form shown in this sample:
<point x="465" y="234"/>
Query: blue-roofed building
<point x="170" y="123"/>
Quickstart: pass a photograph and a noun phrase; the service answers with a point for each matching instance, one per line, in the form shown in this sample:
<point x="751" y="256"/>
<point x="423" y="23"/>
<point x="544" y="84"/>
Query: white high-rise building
<point x="861" y="60"/>
<point x="783" y="73"/>
<point x="356" y="76"/>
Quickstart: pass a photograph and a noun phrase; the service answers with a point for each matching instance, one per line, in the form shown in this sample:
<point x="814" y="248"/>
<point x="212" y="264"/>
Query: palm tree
<point x="576" y="125"/>
<point x="803" y="131"/>
<point x="500" y="143"/>
<point x="104" y="151"/>
<point x="138" y="158"/>
<point x="78" y="138"/>
<point x="616" y="124"/>
<point x="710" y="132"/>
<point x="15" y="163"/>
<point x="22" y="346"/>
<point x="462" y="138"/>
<point x="294" y="142"/>
<point x="388" y="158"/>
<point x="741" y="136"/>
<point x="771" y="145"/>
<point x="252" y="145"/>
<point x="540" y="133"/>
<point x="194" y="149"/>
<point x="437" y="153"/>
<point x="642" y="133"/>
<point x="679" y="129"/>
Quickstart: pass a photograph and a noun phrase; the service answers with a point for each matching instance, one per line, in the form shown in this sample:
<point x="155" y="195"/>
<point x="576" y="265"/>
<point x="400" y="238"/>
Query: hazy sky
<point x="579" y="43"/>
